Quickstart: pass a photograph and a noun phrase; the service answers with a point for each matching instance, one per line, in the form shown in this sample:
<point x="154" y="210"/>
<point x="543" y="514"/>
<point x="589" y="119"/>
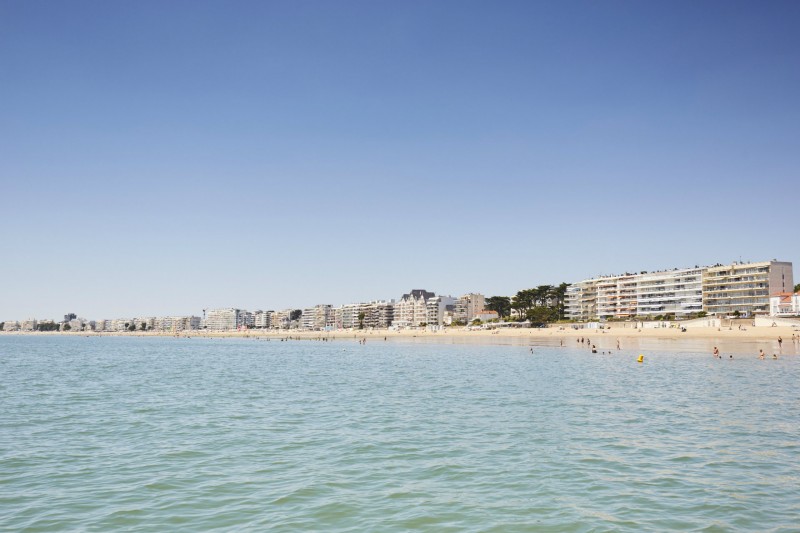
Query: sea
<point x="198" y="434"/>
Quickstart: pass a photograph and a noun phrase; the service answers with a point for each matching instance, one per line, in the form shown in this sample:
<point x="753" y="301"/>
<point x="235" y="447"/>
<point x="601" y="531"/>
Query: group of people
<point x="761" y="354"/>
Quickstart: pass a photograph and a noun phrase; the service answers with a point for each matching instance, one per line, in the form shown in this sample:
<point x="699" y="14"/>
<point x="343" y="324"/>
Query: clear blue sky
<point x="162" y="157"/>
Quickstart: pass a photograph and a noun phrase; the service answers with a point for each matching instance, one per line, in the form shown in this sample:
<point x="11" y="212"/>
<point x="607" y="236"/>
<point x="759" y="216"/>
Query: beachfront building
<point x="467" y="307"/>
<point x="315" y="318"/>
<point x="379" y="314"/>
<point x="616" y="296"/>
<point x="486" y="316"/>
<point x="281" y="319"/>
<point x="581" y="301"/>
<point x="263" y="319"/>
<point x="347" y="317"/>
<point x="411" y="310"/>
<point x="223" y="319"/>
<point x="676" y="292"/>
<point x="175" y="323"/>
<point x="745" y="288"/>
<point x="784" y="304"/>
<point x="721" y="289"/>
<point x="436" y="309"/>
<point x="11" y="325"/>
<point x="28" y="325"/>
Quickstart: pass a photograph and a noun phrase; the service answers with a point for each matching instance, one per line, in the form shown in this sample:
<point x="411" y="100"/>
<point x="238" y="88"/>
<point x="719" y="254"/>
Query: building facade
<point x="719" y="290"/>
<point x="467" y="307"/>
<point x="784" y="304"/>
<point x="411" y="310"/>
<point x="745" y="288"/>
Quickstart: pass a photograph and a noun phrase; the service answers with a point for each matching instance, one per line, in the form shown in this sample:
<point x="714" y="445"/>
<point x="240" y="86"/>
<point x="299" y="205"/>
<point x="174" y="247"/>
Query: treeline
<point x="541" y="305"/>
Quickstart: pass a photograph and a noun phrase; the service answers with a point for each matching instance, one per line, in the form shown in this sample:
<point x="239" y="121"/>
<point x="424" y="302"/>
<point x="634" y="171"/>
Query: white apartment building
<point x="28" y="325"/>
<point x="468" y="306"/>
<point x="721" y="289"/>
<point x="120" y="324"/>
<point x="581" y="301"/>
<point x="11" y="325"/>
<point x="222" y="319"/>
<point x="678" y="292"/>
<point x="784" y="304"/>
<point x="263" y="319"/>
<point x="316" y="318"/>
<point x="745" y="287"/>
<point x="379" y="314"/>
<point x="436" y="308"/>
<point x="411" y="310"/>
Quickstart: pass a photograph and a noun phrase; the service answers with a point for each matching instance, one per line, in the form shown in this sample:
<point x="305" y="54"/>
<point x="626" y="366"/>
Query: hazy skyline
<point x="161" y="158"/>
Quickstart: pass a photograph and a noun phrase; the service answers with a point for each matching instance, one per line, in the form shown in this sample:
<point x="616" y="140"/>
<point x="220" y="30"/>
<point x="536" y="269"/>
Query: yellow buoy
<point x="641" y="359"/>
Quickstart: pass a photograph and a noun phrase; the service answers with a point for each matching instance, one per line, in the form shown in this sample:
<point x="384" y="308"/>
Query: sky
<point x="159" y="158"/>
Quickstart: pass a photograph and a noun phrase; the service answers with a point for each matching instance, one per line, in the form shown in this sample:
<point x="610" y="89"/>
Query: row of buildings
<point x="744" y="289"/>
<point x="418" y="307"/>
<point x="72" y="323"/>
<point x="739" y="288"/>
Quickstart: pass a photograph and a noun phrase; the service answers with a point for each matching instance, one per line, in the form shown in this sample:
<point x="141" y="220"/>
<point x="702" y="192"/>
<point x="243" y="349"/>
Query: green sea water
<point x="144" y="434"/>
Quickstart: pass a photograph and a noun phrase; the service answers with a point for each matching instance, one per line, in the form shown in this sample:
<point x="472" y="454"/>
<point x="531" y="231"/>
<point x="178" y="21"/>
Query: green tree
<point x="361" y="317"/>
<point x="500" y="304"/>
<point x="523" y="301"/>
<point x="296" y="314"/>
<point x="132" y="327"/>
<point x="143" y="326"/>
<point x="559" y="294"/>
<point x="797" y="288"/>
<point x="542" y="294"/>
<point x="2" y="324"/>
<point x="542" y="315"/>
<point x="67" y="327"/>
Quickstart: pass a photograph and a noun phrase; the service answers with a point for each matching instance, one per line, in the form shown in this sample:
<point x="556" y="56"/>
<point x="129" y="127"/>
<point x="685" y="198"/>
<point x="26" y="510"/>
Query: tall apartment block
<point x="717" y="290"/>
<point x="745" y="287"/>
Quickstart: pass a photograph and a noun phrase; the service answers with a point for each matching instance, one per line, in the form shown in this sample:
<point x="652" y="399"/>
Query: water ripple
<point x="159" y="434"/>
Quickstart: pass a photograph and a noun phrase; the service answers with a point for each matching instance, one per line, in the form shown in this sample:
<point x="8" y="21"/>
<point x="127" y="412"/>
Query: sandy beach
<point x="613" y="338"/>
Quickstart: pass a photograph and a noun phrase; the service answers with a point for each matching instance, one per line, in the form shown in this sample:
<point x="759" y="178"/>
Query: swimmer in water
<point x="716" y="352"/>
<point x="761" y="354"/>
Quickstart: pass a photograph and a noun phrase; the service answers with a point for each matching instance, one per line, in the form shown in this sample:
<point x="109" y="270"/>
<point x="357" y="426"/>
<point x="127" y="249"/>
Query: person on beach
<point x="594" y="349"/>
<point x="716" y="352"/>
<point x="761" y="354"/>
<point x="780" y="342"/>
<point x="618" y="348"/>
<point x="774" y="356"/>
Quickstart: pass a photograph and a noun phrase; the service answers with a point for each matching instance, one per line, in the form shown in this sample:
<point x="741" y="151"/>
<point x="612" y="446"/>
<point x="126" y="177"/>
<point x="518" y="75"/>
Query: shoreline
<point x="702" y="339"/>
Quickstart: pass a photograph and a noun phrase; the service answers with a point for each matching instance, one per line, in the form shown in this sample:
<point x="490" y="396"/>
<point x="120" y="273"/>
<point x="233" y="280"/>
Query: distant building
<point x="281" y="319"/>
<point x="436" y="308"/>
<point x="379" y="314"/>
<point x="717" y="290"/>
<point x="223" y="319"/>
<point x="784" y="304"/>
<point x="11" y="325"/>
<point x="28" y="325"/>
<point x="467" y="307"/>
<point x="315" y="318"/>
<point x="263" y="319"/>
<point x="412" y="310"/>
<point x="676" y="292"/>
<point x="745" y="287"/>
<point x="485" y="316"/>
